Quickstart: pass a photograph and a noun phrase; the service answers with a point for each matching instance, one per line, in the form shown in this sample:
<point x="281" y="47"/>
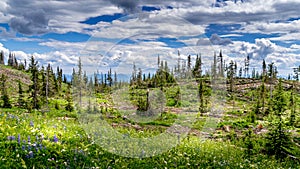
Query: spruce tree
<point x="2" y="58"/>
<point x="34" y="87"/>
<point x="197" y="71"/>
<point x="5" y="97"/>
<point x="21" y="102"/>
<point x="278" y="140"/>
<point x="201" y="95"/>
<point x="292" y="106"/>
<point x="69" y="107"/>
<point x="230" y="75"/>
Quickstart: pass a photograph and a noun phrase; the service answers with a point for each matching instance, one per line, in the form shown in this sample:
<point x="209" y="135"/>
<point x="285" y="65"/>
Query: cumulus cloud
<point x="32" y="22"/>
<point x="38" y="17"/>
<point x="272" y="27"/>
<point x="154" y="24"/>
<point x="216" y="40"/>
<point x="129" y="6"/>
<point x="257" y="51"/>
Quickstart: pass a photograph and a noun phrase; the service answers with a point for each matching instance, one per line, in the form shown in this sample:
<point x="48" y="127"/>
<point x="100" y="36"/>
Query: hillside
<point x="234" y="132"/>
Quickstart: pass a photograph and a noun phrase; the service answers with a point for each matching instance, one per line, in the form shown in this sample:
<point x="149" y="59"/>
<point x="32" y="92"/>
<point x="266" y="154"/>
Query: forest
<point x="185" y="116"/>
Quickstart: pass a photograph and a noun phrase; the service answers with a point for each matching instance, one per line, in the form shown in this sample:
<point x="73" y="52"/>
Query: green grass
<point x="74" y="149"/>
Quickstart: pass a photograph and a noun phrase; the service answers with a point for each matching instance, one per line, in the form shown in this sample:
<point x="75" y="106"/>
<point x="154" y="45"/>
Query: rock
<point x="114" y="125"/>
<point x="137" y="127"/>
<point x="226" y="128"/>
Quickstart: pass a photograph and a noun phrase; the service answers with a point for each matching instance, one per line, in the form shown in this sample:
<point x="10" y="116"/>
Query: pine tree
<point x="278" y="140"/>
<point x="231" y="75"/>
<point x="189" y="64"/>
<point x="264" y="68"/>
<point x="4" y="97"/>
<point x="214" y="67"/>
<point x="221" y="64"/>
<point x="293" y="107"/>
<point x="241" y="72"/>
<point x="50" y="81"/>
<point x="279" y="103"/>
<point x="201" y="94"/>
<point x="59" y="77"/>
<point x="296" y="73"/>
<point x="21" y="102"/>
<point x="34" y="88"/>
<point x="2" y="58"/>
<point x="197" y="71"/>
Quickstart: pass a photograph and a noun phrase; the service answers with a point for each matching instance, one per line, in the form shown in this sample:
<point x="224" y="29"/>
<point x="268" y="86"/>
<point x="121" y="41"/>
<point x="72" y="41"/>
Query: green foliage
<point x="4" y="94"/>
<point x="279" y="103"/>
<point x="278" y="139"/>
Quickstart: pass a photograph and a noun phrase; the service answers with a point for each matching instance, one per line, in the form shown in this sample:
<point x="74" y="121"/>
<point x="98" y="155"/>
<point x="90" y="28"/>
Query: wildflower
<point x="23" y="147"/>
<point x="41" y="146"/>
<point x="19" y="139"/>
<point x="31" y="124"/>
<point x="42" y="136"/>
<point x="30" y="155"/>
<point x="55" y="139"/>
<point x="11" y="138"/>
<point x="28" y="139"/>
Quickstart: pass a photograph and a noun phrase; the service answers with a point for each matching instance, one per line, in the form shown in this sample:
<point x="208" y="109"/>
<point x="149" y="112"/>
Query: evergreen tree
<point x="201" y="93"/>
<point x="240" y="72"/>
<point x="189" y="63"/>
<point x="34" y="87"/>
<point x="247" y="63"/>
<point x="59" y="77"/>
<point x="279" y="103"/>
<point x="264" y="68"/>
<point x="2" y="58"/>
<point x="65" y="79"/>
<point x="292" y="105"/>
<point x="221" y="64"/>
<point x="230" y="75"/>
<point x="4" y="97"/>
<point x="21" y="102"/>
<point x="44" y="88"/>
<point x="50" y="83"/>
<point x="197" y="71"/>
<point x="278" y="140"/>
<point x="115" y="78"/>
<point x="296" y="73"/>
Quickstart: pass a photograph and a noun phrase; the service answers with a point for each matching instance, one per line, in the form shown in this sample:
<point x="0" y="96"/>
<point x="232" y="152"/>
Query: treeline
<point x="45" y="84"/>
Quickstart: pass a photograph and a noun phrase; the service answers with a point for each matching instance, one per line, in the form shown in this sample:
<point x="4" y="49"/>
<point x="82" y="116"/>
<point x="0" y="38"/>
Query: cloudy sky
<point x="116" y="33"/>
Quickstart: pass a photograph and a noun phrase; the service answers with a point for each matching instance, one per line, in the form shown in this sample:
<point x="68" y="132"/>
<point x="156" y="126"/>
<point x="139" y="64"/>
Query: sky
<point x="118" y="33"/>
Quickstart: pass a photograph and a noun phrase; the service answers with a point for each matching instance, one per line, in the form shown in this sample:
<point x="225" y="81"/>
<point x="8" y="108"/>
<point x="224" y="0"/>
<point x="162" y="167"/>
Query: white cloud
<point x="295" y="46"/>
<point x="287" y="37"/>
<point x="273" y="27"/>
<point x="153" y="24"/>
<point x="283" y="57"/>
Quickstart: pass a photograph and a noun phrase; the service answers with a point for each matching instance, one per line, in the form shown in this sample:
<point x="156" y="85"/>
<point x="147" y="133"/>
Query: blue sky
<point x="58" y="32"/>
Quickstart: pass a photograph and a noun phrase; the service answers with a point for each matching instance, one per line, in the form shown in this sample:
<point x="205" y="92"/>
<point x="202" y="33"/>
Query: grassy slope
<point x="75" y="149"/>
